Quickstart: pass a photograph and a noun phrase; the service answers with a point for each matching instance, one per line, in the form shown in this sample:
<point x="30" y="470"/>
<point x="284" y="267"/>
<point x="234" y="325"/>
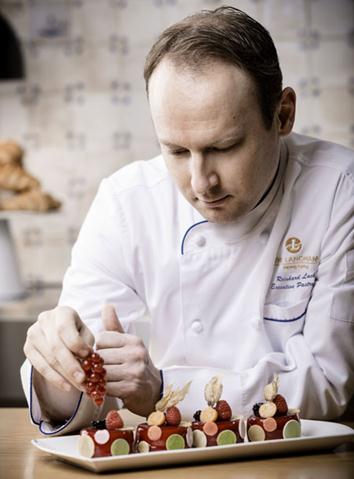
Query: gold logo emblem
<point x="293" y="245"/>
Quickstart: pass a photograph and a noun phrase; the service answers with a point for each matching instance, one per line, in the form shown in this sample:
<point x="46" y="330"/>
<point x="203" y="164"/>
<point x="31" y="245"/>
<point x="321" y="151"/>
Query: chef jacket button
<point x="200" y="241"/>
<point x="197" y="326"/>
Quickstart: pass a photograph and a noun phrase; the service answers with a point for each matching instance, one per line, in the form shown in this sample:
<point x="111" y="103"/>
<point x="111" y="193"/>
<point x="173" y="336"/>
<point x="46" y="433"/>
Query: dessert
<point x="273" y="419"/>
<point x="215" y="425"/>
<point x="106" y="438"/>
<point x="164" y="429"/>
<point x="95" y="383"/>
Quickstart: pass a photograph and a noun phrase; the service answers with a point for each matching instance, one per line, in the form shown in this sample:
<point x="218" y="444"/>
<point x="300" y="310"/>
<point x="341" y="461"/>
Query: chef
<point x="237" y="241"/>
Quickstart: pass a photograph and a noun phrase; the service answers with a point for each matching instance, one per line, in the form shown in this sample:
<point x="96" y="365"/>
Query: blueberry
<point x="99" y="424"/>
<point x="196" y="416"/>
<point x="256" y="408"/>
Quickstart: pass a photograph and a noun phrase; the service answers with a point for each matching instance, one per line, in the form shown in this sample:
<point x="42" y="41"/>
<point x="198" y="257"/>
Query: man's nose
<point x="203" y="174"/>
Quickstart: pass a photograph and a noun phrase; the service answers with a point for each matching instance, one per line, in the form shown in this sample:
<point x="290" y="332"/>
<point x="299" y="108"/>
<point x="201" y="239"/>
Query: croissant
<point x="10" y="152"/>
<point x="15" y="178"/>
<point x="33" y="200"/>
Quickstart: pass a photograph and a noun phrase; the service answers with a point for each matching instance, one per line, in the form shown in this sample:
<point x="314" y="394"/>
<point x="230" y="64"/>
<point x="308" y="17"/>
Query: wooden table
<point x="20" y="460"/>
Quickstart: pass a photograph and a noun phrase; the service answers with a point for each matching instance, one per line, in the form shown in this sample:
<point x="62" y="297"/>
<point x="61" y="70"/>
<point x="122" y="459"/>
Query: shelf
<point x="28" y="308"/>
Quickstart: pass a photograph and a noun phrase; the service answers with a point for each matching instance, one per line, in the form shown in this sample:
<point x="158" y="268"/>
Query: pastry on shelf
<point x="164" y="429"/>
<point x="215" y="425"/>
<point x="14" y="178"/>
<point x="19" y="190"/>
<point x="273" y="419"/>
<point x="32" y="200"/>
<point x="106" y="438"/>
<point x="10" y="153"/>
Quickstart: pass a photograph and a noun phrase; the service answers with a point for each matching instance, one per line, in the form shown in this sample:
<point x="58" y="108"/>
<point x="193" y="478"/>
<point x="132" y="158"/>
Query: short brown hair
<point x="226" y="34"/>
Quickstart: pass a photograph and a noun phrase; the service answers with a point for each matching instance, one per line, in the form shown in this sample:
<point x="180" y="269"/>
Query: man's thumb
<point x="110" y="319"/>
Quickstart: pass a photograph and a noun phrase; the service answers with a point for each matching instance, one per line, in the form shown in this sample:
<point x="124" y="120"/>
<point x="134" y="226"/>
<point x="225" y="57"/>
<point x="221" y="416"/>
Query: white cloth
<point x="270" y="293"/>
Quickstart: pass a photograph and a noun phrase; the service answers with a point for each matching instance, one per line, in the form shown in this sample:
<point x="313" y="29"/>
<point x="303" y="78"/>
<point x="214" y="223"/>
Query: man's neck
<point x="265" y="194"/>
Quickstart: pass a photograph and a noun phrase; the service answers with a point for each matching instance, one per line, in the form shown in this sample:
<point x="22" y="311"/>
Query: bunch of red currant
<point x="95" y="373"/>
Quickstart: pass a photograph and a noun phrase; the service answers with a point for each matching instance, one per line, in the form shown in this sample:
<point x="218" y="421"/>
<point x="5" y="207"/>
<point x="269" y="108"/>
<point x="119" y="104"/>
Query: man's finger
<point x="45" y="370"/>
<point x="110" y="319"/>
<point x="68" y="326"/>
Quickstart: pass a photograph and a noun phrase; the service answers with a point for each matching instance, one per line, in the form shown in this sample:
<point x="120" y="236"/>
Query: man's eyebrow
<point x="235" y="137"/>
<point x="228" y="140"/>
<point x="168" y="144"/>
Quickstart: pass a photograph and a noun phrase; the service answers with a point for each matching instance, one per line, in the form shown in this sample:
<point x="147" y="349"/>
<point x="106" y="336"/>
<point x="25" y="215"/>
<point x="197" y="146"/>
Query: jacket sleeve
<point x="98" y="274"/>
<point x="316" y="366"/>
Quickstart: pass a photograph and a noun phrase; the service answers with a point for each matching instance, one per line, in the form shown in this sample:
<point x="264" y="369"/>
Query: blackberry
<point x="99" y="424"/>
<point x="256" y="408"/>
<point x="196" y="416"/>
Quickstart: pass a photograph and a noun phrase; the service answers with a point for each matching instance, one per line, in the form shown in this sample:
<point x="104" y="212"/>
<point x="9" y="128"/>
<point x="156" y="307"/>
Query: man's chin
<point x="219" y="216"/>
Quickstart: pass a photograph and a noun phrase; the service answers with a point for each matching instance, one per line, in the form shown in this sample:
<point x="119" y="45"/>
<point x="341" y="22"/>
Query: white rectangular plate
<point x="315" y="435"/>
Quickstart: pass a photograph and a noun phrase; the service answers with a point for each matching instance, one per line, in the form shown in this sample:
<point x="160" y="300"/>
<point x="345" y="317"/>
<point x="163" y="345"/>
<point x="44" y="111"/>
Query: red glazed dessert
<point x="164" y="429"/>
<point x="162" y="438"/>
<point x="106" y="438"/>
<point x="272" y="419"/>
<point x="215" y="425"/>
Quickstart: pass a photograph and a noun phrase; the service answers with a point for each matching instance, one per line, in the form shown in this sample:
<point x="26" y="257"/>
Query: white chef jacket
<point x="272" y="292"/>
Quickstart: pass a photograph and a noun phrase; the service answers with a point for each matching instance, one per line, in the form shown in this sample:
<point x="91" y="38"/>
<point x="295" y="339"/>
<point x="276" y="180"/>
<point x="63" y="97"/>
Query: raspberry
<point x="282" y="407"/>
<point x="224" y="410"/>
<point x="256" y="408"/>
<point x="114" y="420"/>
<point x="173" y="416"/>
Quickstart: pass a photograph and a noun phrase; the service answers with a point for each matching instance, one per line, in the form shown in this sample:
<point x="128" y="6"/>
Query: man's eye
<point x="177" y="152"/>
<point x="227" y="148"/>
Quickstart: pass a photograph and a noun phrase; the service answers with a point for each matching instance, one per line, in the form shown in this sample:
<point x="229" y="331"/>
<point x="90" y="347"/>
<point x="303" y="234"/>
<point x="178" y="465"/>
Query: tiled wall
<point x="81" y="113"/>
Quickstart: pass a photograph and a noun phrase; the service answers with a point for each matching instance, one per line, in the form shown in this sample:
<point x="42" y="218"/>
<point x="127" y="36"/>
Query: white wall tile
<point x="332" y="17"/>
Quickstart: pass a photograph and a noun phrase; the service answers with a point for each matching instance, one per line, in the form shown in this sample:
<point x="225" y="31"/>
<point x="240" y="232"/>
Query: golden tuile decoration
<point x="213" y="391"/>
<point x="271" y="389"/>
<point x="171" y="397"/>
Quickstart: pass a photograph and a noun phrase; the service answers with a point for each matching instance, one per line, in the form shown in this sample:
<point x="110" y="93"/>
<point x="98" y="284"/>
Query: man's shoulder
<point x="316" y="153"/>
<point x="141" y="175"/>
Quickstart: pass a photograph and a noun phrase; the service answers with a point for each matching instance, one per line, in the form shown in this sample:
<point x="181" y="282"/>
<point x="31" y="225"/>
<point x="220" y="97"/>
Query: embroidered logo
<point x="293" y="244"/>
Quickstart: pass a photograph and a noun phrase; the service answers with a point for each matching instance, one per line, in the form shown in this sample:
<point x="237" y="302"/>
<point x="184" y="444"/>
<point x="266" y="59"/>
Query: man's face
<point x="213" y="138"/>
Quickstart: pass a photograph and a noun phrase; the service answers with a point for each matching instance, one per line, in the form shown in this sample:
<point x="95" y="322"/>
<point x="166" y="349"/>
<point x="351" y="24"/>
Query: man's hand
<point x="131" y="374"/>
<point x="53" y="344"/>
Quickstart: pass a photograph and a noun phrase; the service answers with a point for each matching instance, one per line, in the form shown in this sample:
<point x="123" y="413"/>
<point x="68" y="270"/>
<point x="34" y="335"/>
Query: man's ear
<point x="286" y="111"/>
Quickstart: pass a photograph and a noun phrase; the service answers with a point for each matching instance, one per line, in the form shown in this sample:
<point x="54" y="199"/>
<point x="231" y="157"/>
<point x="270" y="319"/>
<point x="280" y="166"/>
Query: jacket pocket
<point x="285" y="313"/>
<point x="282" y="322"/>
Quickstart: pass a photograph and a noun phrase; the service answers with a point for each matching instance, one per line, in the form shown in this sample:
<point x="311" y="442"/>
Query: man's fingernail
<point x="78" y="376"/>
<point x="66" y="387"/>
<point x="84" y="352"/>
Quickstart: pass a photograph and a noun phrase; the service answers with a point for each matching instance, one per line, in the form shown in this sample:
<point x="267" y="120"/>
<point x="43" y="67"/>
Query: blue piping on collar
<point x="286" y="320"/>
<point x="41" y="421"/>
<point x="188" y="230"/>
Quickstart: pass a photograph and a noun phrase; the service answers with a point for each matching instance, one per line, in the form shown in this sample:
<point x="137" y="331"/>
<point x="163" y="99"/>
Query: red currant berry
<point x="94" y="378"/>
<point x="86" y="365"/>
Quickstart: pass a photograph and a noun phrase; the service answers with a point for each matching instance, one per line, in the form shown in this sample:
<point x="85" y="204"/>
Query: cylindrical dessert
<point x="277" y="427"/>
<point x="95" y="442"/>
<point x="163" y="437"/>
<point x="216" y="433"/>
